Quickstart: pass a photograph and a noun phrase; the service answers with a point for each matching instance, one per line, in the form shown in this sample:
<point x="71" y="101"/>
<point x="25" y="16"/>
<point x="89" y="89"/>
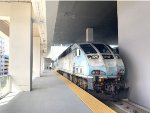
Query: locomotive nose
<point x="114" y="68"/>
<point x="111" y="67"/>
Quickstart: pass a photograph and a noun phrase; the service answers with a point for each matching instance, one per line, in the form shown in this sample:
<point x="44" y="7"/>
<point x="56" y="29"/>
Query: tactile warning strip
<point x="94" y="104"/>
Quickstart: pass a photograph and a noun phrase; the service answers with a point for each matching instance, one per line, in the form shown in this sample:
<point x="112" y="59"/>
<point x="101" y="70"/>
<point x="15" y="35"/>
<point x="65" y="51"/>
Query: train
<point x="92" y="66"/>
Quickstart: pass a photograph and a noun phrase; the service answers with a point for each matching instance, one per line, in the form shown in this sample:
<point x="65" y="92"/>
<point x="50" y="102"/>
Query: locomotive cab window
<point x="114" y="50"/>
<point x="88" y="49"/>
<point x="102" y="48"/>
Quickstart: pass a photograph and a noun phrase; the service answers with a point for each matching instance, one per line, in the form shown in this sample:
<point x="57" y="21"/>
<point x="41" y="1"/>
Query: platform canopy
<point x="67" y="21"/>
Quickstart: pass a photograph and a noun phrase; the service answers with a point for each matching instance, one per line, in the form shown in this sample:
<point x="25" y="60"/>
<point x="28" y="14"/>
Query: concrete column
<point x="21" y="45"/>
<point x="36" y="57"/>
<point x="134" y="44"/>
<point x="89" y="35"/>
<point x="42" y="64"/>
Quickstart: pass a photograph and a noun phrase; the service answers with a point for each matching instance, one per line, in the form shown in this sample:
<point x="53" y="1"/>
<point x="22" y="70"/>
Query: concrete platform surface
<point x="49" y="95"/>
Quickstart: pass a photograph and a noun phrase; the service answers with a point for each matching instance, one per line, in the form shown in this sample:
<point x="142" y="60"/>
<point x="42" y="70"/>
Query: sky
<point x="6" y="41"/>
<point x="56" y="51"/>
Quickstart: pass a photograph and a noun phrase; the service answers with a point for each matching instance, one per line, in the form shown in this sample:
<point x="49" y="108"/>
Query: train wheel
<point x="73" y="77"/>
<point x="84" y="84"/>
<point x="79" y="82"/>
<point x="70" y="77"/>
<point x="75" y="80"/>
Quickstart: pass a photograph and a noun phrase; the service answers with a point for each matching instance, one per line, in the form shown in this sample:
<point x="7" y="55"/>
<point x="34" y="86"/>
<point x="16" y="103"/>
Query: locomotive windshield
<point x="102" y="48"/>
<point x="114" y="50"/>
<point x="88" y="49"/>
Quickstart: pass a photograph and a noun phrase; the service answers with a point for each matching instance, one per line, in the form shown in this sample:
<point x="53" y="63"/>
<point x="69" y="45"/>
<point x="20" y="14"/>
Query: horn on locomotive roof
<point x="89" y="34"/>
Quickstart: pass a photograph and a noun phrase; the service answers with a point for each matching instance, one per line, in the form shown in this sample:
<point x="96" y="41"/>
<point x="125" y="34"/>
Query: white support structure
<point x="42" y="64"/>
<point x="36" y="57"/>
<point x="134" y="44"/>
<point x="21" y="45"/>
<point x="89" y="35"/>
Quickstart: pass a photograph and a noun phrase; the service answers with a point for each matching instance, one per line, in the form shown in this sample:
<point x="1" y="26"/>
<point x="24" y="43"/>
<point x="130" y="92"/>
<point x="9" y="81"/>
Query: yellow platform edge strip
<point x="94" y="104"/>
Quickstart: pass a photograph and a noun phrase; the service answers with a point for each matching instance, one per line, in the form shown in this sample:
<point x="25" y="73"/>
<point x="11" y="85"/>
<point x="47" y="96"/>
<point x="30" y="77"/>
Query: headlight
<point x="121" y="72"/>
<point x="98" y="72"/>
<point x="89" y="56"/>
<point x="95" y="56"/>
<point x="92" y="56"/>
<point x="117" y="56"/>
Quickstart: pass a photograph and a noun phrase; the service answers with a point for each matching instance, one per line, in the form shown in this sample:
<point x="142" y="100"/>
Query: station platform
<point x="53" y="93"/>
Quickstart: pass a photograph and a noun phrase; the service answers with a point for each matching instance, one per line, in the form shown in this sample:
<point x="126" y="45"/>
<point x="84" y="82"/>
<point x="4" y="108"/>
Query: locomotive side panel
<point x="80" y="64"/>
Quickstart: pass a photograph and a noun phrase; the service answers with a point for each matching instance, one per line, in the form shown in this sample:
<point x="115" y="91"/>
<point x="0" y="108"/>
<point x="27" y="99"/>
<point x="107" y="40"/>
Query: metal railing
<point x="5" y="85"/>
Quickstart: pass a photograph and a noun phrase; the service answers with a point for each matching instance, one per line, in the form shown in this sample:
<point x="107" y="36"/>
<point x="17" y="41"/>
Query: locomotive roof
<point x="68" y="50"/>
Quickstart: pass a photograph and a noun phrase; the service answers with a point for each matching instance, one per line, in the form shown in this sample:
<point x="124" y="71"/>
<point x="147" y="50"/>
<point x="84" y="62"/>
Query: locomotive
<point x="92" y="66"/>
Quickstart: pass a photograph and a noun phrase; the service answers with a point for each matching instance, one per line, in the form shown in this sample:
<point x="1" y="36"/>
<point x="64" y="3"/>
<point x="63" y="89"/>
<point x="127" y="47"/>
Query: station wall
<point x="134" y="44"/>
